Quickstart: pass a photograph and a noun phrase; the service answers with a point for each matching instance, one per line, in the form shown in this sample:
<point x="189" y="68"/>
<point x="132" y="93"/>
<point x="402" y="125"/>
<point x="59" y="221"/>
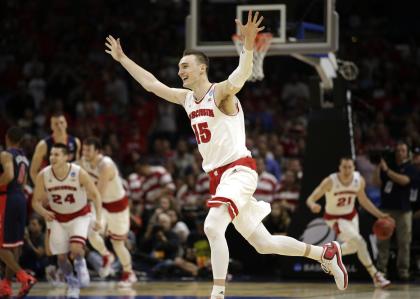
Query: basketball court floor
<point x="235" y="290"/>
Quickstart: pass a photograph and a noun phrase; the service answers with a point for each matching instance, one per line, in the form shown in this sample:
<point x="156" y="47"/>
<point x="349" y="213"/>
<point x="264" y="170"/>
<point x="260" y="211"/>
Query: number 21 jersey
<point x="220" y="137"/>
<point x="340" y="199"/>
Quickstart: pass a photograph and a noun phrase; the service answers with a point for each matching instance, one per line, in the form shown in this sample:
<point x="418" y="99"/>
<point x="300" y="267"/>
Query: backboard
<point x="298" y="26"/>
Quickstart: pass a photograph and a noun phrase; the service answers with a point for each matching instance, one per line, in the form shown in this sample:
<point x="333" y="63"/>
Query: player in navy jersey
<point x="59" y="135"/>
<point x="13" y="213"/>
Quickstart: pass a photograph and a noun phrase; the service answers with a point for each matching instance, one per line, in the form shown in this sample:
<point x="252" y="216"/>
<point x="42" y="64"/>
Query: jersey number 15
<point x="202" y="132"/>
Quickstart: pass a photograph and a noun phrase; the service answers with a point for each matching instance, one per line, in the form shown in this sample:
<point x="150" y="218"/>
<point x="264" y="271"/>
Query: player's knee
<point x="77" y="250"/>
<point x="211" y="230"/>
<point x="261" y="248"/>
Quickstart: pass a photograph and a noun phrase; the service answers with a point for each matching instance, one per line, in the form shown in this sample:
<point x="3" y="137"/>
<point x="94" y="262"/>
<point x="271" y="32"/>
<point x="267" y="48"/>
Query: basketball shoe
<point x="107" y="261"/>
<point x="332" y="264"/>
<point x="127" y="279"/>
<point x="82" y="272"/>
<point x="380" y="281"/>
<point x="27" y="282"/>
<point x="5" y="288"/>
<point x="73" y="287"/>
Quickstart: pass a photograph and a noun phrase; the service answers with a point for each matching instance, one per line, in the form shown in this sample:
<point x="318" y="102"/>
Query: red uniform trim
<point x="116" y="206"/>
<point x="349" y="216"/>
<point x="78" y="239"/>
<point x="216" y="174"/>
<point x="118" y="237"/>
<point x="218" y="201"/>
<point x="198" y="102"/>
<point x="67" y="217"/>
<point x="56" y="177"/>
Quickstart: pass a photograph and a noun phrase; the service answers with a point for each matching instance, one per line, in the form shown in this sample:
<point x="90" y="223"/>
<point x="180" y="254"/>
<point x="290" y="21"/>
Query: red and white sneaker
<point x="6" y="288"/>
<point x="332" y="264"/>
<point x="107" y="261"/>
<point x="27" y="282"/>
<point x="380" y="281"/>
<point x="127" y="279"/>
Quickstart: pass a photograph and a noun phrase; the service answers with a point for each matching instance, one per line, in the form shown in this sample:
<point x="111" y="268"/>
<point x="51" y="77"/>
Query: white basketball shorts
<point x="116" y="225"/>
<point x="235" y="190"/>
<point x="345" y="229"/>
<point x="64" y="233"/>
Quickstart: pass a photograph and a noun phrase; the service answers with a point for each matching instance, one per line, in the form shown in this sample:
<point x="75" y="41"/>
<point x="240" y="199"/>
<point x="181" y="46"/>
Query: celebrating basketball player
<point x="340" y="190"/>
<point x="116" y="213"/>
<point x="67" y="187"/>
<point x="217" y="120"/>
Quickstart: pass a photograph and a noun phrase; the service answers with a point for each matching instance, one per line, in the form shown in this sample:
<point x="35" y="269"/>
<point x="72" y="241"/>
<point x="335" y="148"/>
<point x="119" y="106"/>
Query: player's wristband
<point x="244" y="69"/>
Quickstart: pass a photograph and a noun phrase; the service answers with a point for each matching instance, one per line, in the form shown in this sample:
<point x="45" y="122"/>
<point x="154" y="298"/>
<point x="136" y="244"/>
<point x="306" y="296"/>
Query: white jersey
<point x="220" y="137"/>
<point x="340" y="199"/>
<point x="65" y="196"/>
<point x="114" y="189"/>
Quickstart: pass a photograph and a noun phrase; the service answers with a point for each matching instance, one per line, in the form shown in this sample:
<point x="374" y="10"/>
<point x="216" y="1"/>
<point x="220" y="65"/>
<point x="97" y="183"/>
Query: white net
<point x="262" y="44"/>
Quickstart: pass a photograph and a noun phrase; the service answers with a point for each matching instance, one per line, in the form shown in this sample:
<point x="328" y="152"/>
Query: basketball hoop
<point x="262" y="44"/>
<point x="347" y="69"/>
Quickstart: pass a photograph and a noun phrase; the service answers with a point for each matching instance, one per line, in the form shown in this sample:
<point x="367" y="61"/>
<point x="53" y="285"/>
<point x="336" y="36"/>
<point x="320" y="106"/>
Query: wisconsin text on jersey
<point x="201" y="112"/>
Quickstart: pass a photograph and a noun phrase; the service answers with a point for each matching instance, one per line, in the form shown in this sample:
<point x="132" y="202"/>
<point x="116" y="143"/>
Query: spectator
<point x="33" y="251"/>
<point x="267" y="183"/>
<point x="278" y="220"/>
<point x="288" y="191"/>
<point x="395" y="177"/>
<point x="157" y="182"/>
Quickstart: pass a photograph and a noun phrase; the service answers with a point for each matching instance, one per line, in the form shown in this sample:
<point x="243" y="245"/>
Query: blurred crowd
<point x="52" y="59"/>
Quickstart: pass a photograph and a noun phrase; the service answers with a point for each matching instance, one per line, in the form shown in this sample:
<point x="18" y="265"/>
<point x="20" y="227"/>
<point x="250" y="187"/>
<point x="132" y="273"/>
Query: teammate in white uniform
<point x="67" y="187"/>
<point x="116" y="212"/>
<point x="217" y="120"/>
<point x="341" y="190"/>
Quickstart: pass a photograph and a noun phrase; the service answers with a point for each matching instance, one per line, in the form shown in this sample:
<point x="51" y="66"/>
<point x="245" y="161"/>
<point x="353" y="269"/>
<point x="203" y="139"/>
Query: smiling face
<point x="190" y="70"/>
<point x="58" y="157"/>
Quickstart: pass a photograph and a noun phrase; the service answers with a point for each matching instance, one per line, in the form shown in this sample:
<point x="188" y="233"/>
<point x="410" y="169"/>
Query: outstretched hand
<point x="114" y="48"/>
<point x="249" y="31"/>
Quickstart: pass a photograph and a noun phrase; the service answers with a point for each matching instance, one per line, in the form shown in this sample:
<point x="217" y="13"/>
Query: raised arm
<point x="40" y="152"/>
<point x="319" y="191"/>
<point x="367" y="204"/>
<point x="145" y="78"/>
<point x="226" y="89"/>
